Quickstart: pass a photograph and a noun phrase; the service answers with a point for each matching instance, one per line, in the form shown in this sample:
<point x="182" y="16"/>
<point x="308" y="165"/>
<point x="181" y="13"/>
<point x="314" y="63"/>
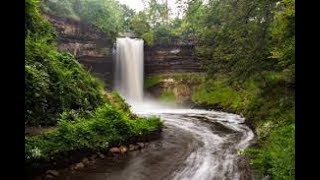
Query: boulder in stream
<point x="115" y="150"/>
<point x="100" y="155"/>
<point x="78" y="166"/>
<point x="48" y="177"/>
<point x="123" y="149"/>
<point x="85" y="161"/>
<point x="131" y="147"/>
<point x="140" y="144"/>
<point x="52" y="172"/>
<point x="93" y="157"/>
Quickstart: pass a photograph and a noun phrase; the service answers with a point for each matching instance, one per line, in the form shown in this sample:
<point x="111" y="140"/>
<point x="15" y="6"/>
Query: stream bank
<point x="268" y="107"/>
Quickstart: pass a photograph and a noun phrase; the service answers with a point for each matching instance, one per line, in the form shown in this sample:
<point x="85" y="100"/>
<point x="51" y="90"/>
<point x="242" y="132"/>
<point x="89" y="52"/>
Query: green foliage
<point x="276" y="157"/>
<point x="107" y="126"/>
<point x="242" y="38"/>
<point x="251" y="45"/>
<point x="108" y="15"/>
<point x="35" y="24"/>
<point x="167" y="96"/>
<point x="153" y="24"/>
<point x="151" y="81"/>
<point x="128" y="14"/>
<point x="283" y="38"/>
<point x="139" y="23"/>
<point x="217" y="92"/>
<point x="148" y="38"/>
<point x="118" y="102"/>
<point x="54" y="82"/>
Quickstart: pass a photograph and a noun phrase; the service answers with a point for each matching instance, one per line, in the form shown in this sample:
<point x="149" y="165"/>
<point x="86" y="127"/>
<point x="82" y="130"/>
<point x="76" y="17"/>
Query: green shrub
<point x="107" y="126"/>
<point x="55" y="82"/>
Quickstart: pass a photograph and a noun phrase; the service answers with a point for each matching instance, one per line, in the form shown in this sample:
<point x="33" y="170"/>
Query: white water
<point x="129" y="69"/>
<point x="216" y="157"/>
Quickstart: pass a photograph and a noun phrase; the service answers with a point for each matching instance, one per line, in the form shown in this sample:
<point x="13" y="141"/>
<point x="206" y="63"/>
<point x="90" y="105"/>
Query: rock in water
<point x="92" y="162"/>
<point x="123" y="149"/>
<point x="93" y="157"/>
<point x="140" y="144"/>
<point x="54" y="173"/>
<point x="85" y="161"/>
<point x="79" y="166"/>
<point x="101" y="155"/>
<point x="48" y="177"/>
<point x="115" y="150"/>
<point x="136" y="147"/>
<point x="131" y="147"/>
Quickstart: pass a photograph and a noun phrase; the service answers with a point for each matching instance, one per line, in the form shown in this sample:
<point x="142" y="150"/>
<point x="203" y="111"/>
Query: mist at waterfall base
<point x="129" y="74"/>
<point x="195" y="144"/>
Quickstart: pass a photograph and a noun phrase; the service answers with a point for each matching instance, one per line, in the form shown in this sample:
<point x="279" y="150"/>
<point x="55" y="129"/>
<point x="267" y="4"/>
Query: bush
<point x="107" y="126"/>
<point x="55" y="82"/>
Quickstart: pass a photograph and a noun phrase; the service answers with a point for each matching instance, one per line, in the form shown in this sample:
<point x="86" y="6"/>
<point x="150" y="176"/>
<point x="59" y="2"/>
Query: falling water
<point x="129" y="69"/>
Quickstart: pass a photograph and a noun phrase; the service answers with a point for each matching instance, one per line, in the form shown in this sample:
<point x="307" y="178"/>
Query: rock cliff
<point x="91" y="47"/>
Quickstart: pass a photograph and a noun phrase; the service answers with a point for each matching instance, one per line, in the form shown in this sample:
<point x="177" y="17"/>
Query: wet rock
<point x="79" y="166"/>
<point x="140" y="144"/>
<point x="85" y="161"/>
<point x="101" y="155"/>
<point x="92" y="162"/>
<point x="123" y="149"/>
<point x="115" y="150"/>
<point x="136" y="147"/>
<point x="93" y="157"/>
<point x="131" y="147"/>
<point x="54" y="173"/>
<point x="146" y="144"/>
<point x="48" y="177"/>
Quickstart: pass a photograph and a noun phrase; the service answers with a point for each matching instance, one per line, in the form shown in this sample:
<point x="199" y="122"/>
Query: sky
<point x="137" y="5"/>
<point x="133" y="4"/>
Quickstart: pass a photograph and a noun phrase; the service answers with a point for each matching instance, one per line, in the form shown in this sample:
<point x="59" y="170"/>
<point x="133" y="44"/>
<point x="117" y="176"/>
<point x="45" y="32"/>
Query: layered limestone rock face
<point x="90" y="46"/>
<point x="94" y="50"/>
<point x="170" y="59"/>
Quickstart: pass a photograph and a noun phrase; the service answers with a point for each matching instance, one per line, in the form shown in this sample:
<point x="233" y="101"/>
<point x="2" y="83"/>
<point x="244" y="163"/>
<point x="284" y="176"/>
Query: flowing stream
<point x="194" y="145"/>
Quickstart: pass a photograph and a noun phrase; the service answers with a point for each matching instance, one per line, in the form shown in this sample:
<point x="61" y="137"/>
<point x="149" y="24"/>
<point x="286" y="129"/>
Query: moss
<point x="151" y="81"/>
<point x="168" y="96"/>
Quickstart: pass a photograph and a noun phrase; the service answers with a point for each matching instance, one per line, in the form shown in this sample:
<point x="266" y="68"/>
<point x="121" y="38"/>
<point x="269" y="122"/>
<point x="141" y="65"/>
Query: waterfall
<point x="129" y="69"/>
